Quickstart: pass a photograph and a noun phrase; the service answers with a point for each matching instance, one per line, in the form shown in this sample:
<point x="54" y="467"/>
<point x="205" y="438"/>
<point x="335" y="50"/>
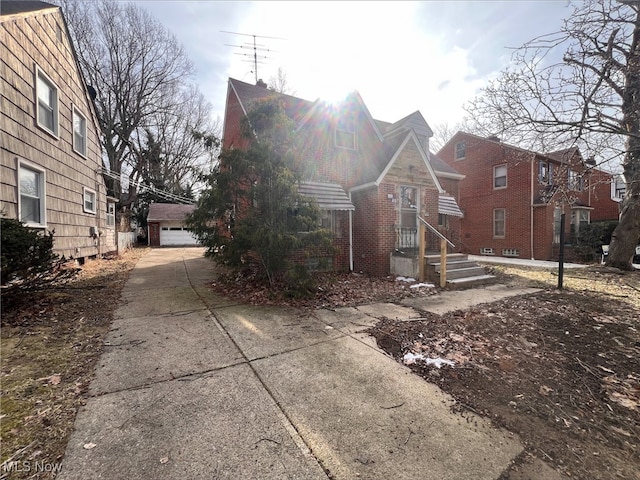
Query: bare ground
<point x="560" y="368"/>
<point x="49" y="348"/>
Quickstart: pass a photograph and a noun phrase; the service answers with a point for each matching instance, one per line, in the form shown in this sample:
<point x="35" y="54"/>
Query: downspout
<point x="98" y="216"/>
<point x="350" y="236"/>
<point x="533" y="161"/>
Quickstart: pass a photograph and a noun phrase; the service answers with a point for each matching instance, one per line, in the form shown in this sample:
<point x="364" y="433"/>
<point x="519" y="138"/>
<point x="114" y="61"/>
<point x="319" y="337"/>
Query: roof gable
<point x="411" y="136"/>
<point x="414" y="121"/>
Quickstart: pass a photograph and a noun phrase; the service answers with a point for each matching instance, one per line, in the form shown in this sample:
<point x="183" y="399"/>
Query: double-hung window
<point x="576" y="181"/>
<point x="500" y="176"/>
<point x="111" y="214"/>
<point x="346" y="132"/>
<point x="47" y="103"/>
<point x="79" y="133"/>
<point x="89" y="200"/>
<point x="461" y="150"/>
<point x="31" y="186"/>
<point x="545" y="173"/>
<point x="499" y="223"/>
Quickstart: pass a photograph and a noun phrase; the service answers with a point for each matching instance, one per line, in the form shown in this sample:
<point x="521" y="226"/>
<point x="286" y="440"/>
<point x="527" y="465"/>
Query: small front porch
<point x="441" y="265"/>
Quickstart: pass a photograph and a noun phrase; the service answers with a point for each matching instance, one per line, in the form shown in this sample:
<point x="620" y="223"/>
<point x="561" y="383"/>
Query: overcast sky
<point x="430" y="56"/>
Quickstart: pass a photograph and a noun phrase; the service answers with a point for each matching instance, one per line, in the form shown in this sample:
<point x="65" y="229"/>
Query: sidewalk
<point x="522" y="262"/>
<point x="193" y="386"/>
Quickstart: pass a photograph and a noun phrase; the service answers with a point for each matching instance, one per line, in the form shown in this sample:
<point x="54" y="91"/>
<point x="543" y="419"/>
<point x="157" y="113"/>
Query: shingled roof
<point x="391" y="134"/>
<point x="296" y="108"/>
<point x="13" y="7"/>
<point x="163" y="212"/>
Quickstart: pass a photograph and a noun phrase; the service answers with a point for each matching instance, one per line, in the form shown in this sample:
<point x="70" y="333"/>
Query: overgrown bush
<point x="591" y="237"/>
<point x="28" y="261"/>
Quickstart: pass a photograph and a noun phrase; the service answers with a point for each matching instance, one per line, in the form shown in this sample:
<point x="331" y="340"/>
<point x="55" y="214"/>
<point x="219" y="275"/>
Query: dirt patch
<point x="560" y="368"/>
<point x="49" y="348"/>
<point x="331" y="290"/>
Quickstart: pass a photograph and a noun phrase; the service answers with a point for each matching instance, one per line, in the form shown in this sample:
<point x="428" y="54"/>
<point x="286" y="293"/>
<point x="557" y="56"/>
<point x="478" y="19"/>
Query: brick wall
<point x="478" y="198"/>
<point x="232" y="136"/>
<point x="604" y="208"/>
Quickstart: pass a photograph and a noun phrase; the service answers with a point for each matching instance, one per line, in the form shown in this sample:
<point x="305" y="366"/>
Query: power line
<point x="255" y="59"/>
<point x="151" y="188"/>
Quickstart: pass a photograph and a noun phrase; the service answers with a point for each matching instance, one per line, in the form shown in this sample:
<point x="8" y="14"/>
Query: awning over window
<point x="448" y="206"/>
<point x="329" y="196"/>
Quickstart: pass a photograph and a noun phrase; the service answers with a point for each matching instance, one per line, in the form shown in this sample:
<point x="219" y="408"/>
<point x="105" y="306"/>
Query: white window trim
<point x="504" y="221"/>
<point x="78" y="112"/>
<point x="111" y="215"/>
<point x="455" y="150"/>
<point x="86" y="190"/>
<point x="506" y="179"/>
<point x="39" y="73"/>
<point x="43" y="193"/>
<point x="615" y="181"/>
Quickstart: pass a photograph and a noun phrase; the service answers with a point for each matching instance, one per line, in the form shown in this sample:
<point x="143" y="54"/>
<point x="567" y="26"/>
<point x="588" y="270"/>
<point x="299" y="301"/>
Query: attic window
<point x="461" y="149"/>
<point x="346" y="132"/>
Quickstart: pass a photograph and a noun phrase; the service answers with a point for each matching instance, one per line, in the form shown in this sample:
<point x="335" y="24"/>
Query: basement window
<point x="510" y="252"/>
<point x="486" y="251"/>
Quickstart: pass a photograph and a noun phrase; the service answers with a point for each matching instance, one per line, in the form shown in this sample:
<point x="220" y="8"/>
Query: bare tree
<point x="588" y="98"/>
<point x="442" y="133"/>
<point x="140" y="74"/>
<point x="279" y="83"/>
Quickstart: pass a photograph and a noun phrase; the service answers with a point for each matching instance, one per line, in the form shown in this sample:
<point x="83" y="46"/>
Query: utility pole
<point x="253" y="57"/>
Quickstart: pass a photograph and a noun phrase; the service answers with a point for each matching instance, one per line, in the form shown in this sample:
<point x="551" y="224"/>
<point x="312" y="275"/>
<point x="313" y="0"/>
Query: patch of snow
<point x="418" y="285"/>
<point x="405" y="279"/>
<point x="410" y="358"/>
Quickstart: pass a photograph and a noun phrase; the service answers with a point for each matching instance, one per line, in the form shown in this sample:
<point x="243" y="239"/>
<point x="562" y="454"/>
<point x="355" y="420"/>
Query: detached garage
<point x="166" y="223"/>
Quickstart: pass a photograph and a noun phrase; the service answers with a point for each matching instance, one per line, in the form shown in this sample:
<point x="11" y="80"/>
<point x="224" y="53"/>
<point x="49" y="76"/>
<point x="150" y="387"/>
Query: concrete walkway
<point x="194" y="386"/>
<point x="523" y="262"/>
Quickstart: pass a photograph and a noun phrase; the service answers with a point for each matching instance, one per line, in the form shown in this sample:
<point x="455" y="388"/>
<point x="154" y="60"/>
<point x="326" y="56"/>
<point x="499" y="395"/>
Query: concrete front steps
<point x="461" y="272"/>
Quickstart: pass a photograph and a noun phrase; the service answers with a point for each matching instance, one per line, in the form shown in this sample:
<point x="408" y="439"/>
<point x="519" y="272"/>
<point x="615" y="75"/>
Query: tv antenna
<point x="253" y="58"/>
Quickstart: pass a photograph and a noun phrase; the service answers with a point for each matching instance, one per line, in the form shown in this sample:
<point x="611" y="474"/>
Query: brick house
<point x="50" y="157"/>
<point x="370" y="178"/>
<point x="512" y="198"/>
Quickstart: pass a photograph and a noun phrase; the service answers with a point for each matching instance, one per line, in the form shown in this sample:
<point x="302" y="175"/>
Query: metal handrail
<point x="434" y="230"/>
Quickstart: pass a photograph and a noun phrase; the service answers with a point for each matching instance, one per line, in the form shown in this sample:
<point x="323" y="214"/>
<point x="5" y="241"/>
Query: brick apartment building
<point x="370" y="178"/>
<point x="512" y="198"/>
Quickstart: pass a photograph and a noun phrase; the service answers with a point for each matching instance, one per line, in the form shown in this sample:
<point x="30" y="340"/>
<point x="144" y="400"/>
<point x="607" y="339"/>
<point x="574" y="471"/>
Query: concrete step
<point x="451" y="257"/>
<point x="455" y="265"/>
<point x="469" y="282"/>
<point x="464" y="272"/>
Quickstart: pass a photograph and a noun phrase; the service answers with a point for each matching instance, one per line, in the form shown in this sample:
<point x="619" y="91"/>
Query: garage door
<point x="176" y="236"/>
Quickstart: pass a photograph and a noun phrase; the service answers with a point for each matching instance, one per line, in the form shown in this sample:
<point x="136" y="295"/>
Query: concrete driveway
<point x="191" y="385"/>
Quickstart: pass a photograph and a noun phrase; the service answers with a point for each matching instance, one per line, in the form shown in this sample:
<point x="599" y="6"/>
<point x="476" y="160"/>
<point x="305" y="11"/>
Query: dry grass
<point x="597" y="279"/>
<point x="49" y="349"/>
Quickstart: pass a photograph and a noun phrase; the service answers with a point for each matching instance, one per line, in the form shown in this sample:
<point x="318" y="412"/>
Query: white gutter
<point x="350" y="236"/>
